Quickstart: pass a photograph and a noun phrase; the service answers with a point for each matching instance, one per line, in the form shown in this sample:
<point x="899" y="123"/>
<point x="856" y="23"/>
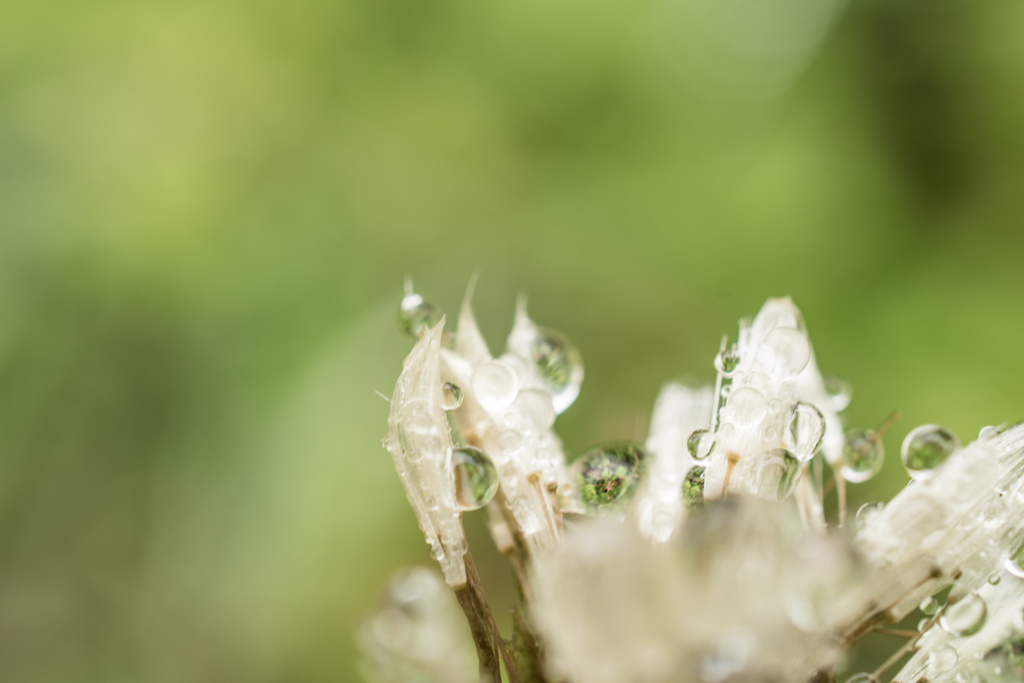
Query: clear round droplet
<point x="700" y="444"/>
<point x="923" y="624"/>
<point x="839" y="392"/>
<point x="863" y="455"/>
<point x="994" y="579"/>
<point x="965" y="617"/>
<point x="862" y="678"/>
<point x="558" y="363"/>
<point x="927" y="447"/>
<point x="510" y="441"/>
<point x="415" y="313"/>
<point x="451" y="396"/>
<point x="929" y="605"/>
<point x="693" y="487"/>
<point x="962" y="676"/>
<point x="608" y="476"/>
<point x="727" y="360"/>
<point x="536" y="406"/>
<point x="866" y="512"/>
<point x="806" y="431"/>
<point x="991" y="432"/>
<point x="476" y="480"/>
<point x="495" y="385"/>
<point x="943" y="659"/>
<point x="784" y="352"/>
<point x="747" y="406"/>
<point x="1015" y="564"/>
<point x="778" y="472"/>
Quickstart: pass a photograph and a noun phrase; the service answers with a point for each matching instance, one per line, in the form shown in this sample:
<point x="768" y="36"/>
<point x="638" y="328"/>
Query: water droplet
<point x="747" y="406"/>
<point x="559" y="366"/>
<point x="609" y="475"/>
<point x="863" y="455"/>
<point x="991" y="432"/>
<point x="784" y="352"/>
<point x="839" y="392"/>
<point x="727" y="431"/>
<point x="962" y="676"/>
<point x="862" y="678"/>
<point x="929" y="605"/>
<point x="510" y="441"/>
<point x="415" y="313"/>
<point x="495" y="385"/>
<point x="806" y="431"/>
<point x="923" y="624"/>
<point x="778" y="472"/>
<point x="1015" y="564"/>
<point x="727" y="360"/>
<point x="965" y="617"/>
<point x="475" y="478"/>
<point x="451" y="396"/>
<point x="943" y="659"/>
<point x="866" y="512"/>
<point x="536" y="406"/>
<point x="693" y="487"/>
<point x="994" y="579"/>
<point x="701" y="444"/>
<point x="925" y="448"/>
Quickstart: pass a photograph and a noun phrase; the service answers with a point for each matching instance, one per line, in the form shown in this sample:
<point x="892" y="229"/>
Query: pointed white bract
<point x="420" y="444"/>
<point x="678" y="412"/>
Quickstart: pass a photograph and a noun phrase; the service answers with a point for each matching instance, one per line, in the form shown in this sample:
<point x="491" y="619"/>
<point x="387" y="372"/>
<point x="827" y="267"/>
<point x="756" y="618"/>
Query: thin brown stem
<point x="887" y="422"/>
<point x="489" y="669"/>
<point x="732" y="459"/>
<point x="906" y="647"/>
<point x="481" y="604"/>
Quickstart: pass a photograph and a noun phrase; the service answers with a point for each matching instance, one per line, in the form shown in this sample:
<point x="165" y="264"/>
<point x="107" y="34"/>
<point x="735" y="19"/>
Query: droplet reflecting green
<point x="1015" y="564"/>
<point x="927" y="447"/>
<point x="451" y="396"/>
<point x="608" y="476"/>
<point x="778" y="472"/>
<point x="727" y="360"/>
<point x="415" y="313"/>
<point x="806" y="431"/>
<point x="700" y="444"/>
<point x="863" y="455"/>
<point x="693" y="487"/>
<point x="929" y="605"/>
<point x="866" y="512"/>
<point x="559" y="365"/>
<point x="839" y="392"/>
<point x="476" y="480"/>
<point x="965" y="617"/>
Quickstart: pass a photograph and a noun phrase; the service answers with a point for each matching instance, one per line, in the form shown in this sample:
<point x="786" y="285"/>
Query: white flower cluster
<point x="705" y="554"/>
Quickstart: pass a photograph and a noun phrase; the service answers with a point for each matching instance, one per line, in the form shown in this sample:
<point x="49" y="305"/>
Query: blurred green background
<point x="207" y="209"/>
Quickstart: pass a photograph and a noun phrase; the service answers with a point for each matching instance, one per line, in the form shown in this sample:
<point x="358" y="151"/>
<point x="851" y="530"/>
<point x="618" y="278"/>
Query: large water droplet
<point x="929" y="605"/>
<point x="727" y="360"/>
<point x="867" y="512"/>
<point x="693" y="487"/>
<point x="839" y="392"/>
<point x="559" y="366"/>
<point x="536" y="405"/>
<point x="700" y="444"/>
<point x="415" y="313"/>
<point x="451" y="396"/>
<point x="943" y="659"/>
<point x="609" y="475"/>
<point x="778" y="472"/>
<point x="784" y="352"/>
<point x="806" y="431"/>
<point x="475" y="478"/>
<point x="863" y="455"/>
<point x="495" y="385"/>
<point x="747" y="406"/>
<point x="925" y="448"/>
<point x="965" y="617"/>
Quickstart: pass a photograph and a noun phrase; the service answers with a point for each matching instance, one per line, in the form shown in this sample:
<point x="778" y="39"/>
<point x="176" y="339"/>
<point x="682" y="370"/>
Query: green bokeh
<point x="207" y="209"/>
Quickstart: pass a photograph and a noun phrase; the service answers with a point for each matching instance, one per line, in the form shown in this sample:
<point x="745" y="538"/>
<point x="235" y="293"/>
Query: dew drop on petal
<point x="495" y="385"/>
<point x="700" y="444"/>
<point x="558" y="363"/>
<point x="929" y="605"/>
<point x="943" y="659"/>
<point x="747" y="406"/>
<point x="476" y="480"/>
<point x="727" y="360"/>
<point x="1015" y="564"/>
<point x="965" y="617"/>
<point x="451" y="396"/>
<point x="806" y="431"/>
<point x="536" y="405"/>
<point x="608" y="476"/>
<point x="778" y="472"/>
<point x="839" y="392"/>
<point x="863" y="455"/>
<point x="510" y="441"/>
<point x="994" y="579"/>
<point x="784" y="352"/>
<point x="925" y="448"/>
<point x="923" y="624"/>
<point x="693" y="487"/>
<point x="866" y="512"/>
<point x="415" y="313"/>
